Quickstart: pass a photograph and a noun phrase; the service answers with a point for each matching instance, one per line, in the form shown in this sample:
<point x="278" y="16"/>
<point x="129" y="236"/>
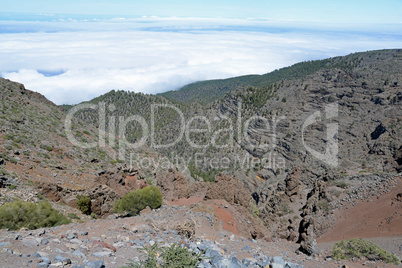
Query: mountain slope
<point x="34" y="143"/>
<point x="301" y="144"/>
<point x="211" y="90"/>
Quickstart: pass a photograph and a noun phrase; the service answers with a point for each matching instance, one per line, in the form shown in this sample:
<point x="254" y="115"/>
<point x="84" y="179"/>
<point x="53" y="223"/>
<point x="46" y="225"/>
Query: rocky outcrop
<point x="103" y="199"/>
<point x="121" y="179"/>
<point x="398" y="159"/>
<point x="317" y="205"/>
<point x="51" y="191"/>
<point x="173" y="186"/>
<point x="230" y="189"/>
<point x="292" y="184"/>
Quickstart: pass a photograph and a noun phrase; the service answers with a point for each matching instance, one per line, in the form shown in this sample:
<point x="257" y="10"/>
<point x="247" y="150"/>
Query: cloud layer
<point x="74" y="61"/>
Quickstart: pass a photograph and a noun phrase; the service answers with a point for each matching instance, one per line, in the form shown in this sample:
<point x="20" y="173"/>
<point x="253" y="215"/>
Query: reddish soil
<point x="228" y="222"/>
<point x="379" y="217"/>
<point x="222" y="214"/>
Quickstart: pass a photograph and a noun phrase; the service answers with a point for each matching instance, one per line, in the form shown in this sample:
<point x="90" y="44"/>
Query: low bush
<point x="137" y="200"/>
<point x="73" y="216"/>
<point x="358" y="248"/>
<point x="84" y="204"/>
<point x="340" y="184"/>
<point x="253" y="209"/>
<point x="19" y="214"/>
<point x="175" y="256"/>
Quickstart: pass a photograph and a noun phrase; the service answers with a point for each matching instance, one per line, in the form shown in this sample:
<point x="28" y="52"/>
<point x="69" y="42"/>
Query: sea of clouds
<point x="70" y="60"/>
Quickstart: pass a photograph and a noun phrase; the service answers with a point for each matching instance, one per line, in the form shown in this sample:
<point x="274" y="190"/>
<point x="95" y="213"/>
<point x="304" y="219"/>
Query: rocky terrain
<point x="286" y="212"/>
<point x="113" y="242"/>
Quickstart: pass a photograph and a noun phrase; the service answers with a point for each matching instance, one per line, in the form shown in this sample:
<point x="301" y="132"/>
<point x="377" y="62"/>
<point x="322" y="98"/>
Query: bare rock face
<point x="103" y="199"/>
<point x="398" y="159"/>
<point x="51" y="191"/>
<point x="121" y="179"/>
<point x="316" y="205"/>
<point x="173" y="186"/>
<point x="198" y="189"/>
<point x="292" y="184"/>
<point x="230" y="189"/>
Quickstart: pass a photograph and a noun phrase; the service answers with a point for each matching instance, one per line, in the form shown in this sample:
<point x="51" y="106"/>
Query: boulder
<point x="230" y="189"/>
<point x="173" y="186"/>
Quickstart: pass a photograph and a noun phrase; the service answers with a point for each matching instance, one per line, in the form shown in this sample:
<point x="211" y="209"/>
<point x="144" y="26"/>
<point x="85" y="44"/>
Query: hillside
<point x="365" y="87"/>
<point x="360" y="94"/>
<point x="289" y="155"/>
<point x="211" y="90"/>
<point x="41" y="160"/>
<point x="34" y="143"/>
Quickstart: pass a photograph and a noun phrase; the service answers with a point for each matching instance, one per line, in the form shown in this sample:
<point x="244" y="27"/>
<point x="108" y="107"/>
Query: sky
<point x="72" y="51"/>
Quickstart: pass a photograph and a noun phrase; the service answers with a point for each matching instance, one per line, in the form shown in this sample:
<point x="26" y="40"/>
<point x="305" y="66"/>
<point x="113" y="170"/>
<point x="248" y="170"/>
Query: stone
<point x="40" y="254"/>
<point x="278" y="260"/>
<point x="309" y="247"/>
<point x="4" y="244"/>
<point x="202" y="247"/>
<point x="63" y="260"/>
<point x="119" y="244"/>
<point x="79" y="254"/>
<point x="94" y="264"/>
<point x="276" y="265"/>
<point x="293" y="265"/>
<point x="76" y="241"/>
<point x="102" y="254"/>
<point x="104" y="245"/>
<point x="41" y="232"/>
<point x="71" y="234"/>
<point x="30" y="242"/>
<point x="145" y="211"/>
<point x="45" y="260"/>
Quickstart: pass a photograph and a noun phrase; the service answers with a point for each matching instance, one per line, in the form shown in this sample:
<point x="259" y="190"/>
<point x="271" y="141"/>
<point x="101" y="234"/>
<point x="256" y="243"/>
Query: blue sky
<point x="72" y="51"/>
<point x="340" y="11"/>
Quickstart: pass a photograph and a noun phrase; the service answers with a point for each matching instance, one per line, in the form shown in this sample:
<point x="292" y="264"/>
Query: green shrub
<point x="84" y="204"/>
<point x="46" y="147"/>
<point x="175" y="256"/>
<point x="73" y="216"/>
<point x="4" y="172"/>
<point x="137" y="200"/>
<point x="358" y="248"/>
<point x="19" y="214"/>
<point x="253" y="209"/>
<point x="12" y="187"/>
<point x="341" y="184"/>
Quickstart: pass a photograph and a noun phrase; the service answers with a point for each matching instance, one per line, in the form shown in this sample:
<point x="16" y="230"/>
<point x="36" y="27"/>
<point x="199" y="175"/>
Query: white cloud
<point x="99" y="56"/>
